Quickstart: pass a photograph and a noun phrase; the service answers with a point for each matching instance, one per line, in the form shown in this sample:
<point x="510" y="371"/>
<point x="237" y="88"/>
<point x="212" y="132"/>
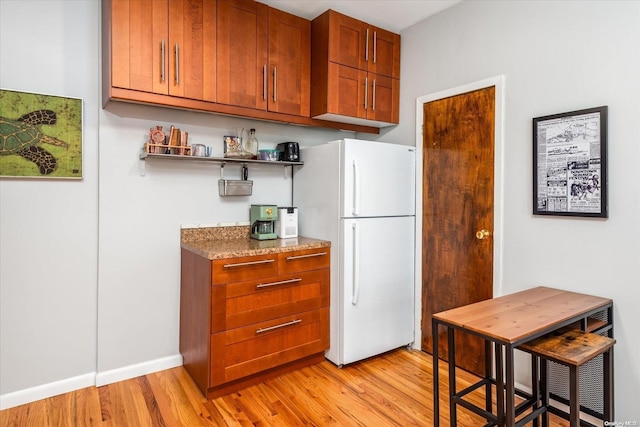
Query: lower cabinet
<point x="245" y="319"/>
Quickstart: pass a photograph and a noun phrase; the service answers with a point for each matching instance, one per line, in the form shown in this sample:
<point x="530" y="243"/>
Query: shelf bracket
<point x="143" y="167"/>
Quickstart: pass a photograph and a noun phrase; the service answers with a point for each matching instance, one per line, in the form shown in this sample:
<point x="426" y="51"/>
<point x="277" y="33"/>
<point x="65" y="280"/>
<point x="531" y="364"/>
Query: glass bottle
<point x="251" y="146"/>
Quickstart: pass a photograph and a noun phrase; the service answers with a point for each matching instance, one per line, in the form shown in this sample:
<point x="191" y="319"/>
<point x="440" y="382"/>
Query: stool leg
<point x="574" y="396"/>
<point x="544" y="390"/>
<point x="608" y="385"/>
<point x="535" y="387"/>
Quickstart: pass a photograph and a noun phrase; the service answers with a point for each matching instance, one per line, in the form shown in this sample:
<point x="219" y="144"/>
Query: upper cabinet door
<point x="165" y="47"/>
<point x="359" y="45"/>
<point x="242" y="53"/>
<point x="192" y="49"/>
<point x="348" y="40"/>
<point x="384" y="53"/>
<point x="139" y="39"/>
<point x="289" y="63"/>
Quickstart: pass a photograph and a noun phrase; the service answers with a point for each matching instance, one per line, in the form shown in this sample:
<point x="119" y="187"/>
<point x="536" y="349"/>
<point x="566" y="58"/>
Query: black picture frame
<point x="570" y="163"/>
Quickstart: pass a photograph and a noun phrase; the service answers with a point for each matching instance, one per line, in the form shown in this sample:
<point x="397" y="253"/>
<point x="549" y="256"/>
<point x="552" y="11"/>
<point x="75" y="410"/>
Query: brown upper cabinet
<point x="355" y="75"/>
<point x="164" y="47"/>
<point x="233" y="57"/>
<point x="264" y="58"/>
<point x="359" y="45"/>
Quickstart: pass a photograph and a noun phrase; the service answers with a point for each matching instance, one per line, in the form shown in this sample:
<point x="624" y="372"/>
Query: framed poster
<point x="570" y="163"/>
<point x="40" y="136"/>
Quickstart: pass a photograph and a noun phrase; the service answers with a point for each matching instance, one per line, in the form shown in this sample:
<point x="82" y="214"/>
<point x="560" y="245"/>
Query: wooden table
<point x="506" y="322"/>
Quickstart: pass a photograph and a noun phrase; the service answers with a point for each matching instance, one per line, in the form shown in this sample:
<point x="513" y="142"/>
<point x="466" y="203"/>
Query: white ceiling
<point x="392" y="15"/>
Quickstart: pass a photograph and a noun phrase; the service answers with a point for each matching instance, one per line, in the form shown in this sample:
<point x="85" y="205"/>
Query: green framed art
<point x="40" y="136"/>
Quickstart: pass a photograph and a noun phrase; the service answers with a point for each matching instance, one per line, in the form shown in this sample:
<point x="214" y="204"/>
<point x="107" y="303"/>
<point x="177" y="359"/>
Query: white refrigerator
<point x="360" y="195"/>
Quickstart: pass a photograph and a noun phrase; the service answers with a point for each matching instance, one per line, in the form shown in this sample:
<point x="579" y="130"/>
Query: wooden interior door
<point x="458" y="182"/>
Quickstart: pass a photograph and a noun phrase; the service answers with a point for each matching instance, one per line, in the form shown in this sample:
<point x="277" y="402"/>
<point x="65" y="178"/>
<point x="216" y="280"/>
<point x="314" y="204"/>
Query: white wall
<point x="89" y="270"/>
<point x="49" y="228"/>
<point x="555" y="56"/>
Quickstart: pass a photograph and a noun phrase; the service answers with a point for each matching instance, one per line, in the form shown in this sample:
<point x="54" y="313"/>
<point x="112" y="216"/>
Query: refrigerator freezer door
<point x="377" y="295"/>
<point x="378" y="179"/>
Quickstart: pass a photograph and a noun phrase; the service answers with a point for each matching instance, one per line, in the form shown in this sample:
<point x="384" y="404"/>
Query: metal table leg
<point x="452" y="377"/>
<point x="435" y="373"/>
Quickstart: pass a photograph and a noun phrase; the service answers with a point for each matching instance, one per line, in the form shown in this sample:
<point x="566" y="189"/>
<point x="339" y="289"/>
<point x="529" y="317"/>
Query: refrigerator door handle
<point x="355" y="290"/>
<point x="356" y="189"/>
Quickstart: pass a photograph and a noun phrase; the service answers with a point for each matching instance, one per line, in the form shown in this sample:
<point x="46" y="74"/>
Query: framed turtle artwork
<point x="40" y="136"/>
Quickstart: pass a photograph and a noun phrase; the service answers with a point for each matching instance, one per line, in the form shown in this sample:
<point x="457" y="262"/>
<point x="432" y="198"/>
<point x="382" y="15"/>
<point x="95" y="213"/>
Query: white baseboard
<point x="132" y="371"/>
<point x="17" y="398"/>
<point x="21" y="397"/>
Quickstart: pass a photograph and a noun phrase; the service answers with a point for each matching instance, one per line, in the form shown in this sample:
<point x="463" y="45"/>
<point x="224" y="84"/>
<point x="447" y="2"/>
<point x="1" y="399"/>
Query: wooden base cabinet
<point x="245" y="319"/>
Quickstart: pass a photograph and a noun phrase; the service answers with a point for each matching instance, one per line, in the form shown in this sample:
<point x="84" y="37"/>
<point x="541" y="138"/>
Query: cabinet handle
<point x="355" y="287"/>
<point x="162" y="70"/>
<point x="275" y="83"/>
<point x="290" y="258"/>
<point x="242" y="264"/>
<point x="366" y="91"/>
<point x="282" y="325"/>
<point x="264" y="82"/>
<point x="375" y="46"/>
<point x="366" y="47"/>
<point x="177" y="64"/>
<point x="373" y="98"/>
<point x="282" y="282"/>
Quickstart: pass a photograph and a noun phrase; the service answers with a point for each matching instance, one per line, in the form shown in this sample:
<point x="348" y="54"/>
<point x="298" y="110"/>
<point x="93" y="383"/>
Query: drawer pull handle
<point x="282" y="282"/>
<point x="290" y="258"/>
<point x="282" y="325"/>
<point x="242" y="264"/>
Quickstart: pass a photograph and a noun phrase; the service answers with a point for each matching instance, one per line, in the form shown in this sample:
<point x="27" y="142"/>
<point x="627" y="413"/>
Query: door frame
<point x="498" y="189"/>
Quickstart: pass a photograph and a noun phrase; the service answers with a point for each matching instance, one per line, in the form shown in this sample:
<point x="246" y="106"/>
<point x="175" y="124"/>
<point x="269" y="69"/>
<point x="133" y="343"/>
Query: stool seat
<point x="569" y="346"/>
<point x="573" y="348"/>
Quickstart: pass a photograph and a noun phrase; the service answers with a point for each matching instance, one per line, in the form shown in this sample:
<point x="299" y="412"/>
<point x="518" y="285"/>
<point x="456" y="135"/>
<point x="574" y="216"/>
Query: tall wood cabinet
<point x="247" y="318"/>
<point x="264" y="58"/>
<point x="163" y="47"/>
<point x="355" y="74"/>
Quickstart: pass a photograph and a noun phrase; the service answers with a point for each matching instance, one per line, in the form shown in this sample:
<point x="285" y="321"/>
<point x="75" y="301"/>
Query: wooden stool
<point x="573" y="348"/>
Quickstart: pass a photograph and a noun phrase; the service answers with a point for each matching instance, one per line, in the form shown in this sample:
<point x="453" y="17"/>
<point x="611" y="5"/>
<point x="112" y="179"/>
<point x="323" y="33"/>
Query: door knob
<point x="482" y="234"/>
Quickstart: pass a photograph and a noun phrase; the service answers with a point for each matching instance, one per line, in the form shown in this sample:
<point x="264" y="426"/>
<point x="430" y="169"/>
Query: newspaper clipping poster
<point x="570" y="163"/>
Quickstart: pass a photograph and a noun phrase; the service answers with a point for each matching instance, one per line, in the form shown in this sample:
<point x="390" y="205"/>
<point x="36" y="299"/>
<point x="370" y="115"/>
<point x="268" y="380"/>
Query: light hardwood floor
<point x="394" y="389"/>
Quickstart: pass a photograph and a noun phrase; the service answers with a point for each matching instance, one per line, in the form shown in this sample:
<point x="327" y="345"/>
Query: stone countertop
<point x="228" y="243"/>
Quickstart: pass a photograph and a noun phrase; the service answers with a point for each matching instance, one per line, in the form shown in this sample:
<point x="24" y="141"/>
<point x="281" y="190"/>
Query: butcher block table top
<point x="512" y="318"/>
<point x="232" y="242"/>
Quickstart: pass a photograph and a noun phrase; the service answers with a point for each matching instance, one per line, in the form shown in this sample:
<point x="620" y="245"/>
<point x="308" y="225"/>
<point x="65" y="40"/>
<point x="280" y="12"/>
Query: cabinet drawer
<point x="255" y="301"/>
<point x="245" y="351"/>
<point x="243" y="268"/>
<point x="305" y="260"/>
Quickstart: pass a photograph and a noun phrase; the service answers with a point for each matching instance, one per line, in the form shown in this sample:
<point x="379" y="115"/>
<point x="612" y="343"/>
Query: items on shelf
<point x="177" y="142"/>
<point x="235" y="147"/>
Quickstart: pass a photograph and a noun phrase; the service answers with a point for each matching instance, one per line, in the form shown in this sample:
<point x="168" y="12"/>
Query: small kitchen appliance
<point x="289" y="151"/>
<point x="262" y="219"/>
<point x="287" y="222"/>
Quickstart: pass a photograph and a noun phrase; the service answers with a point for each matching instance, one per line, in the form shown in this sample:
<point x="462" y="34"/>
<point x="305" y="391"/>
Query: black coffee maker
<point x="289" y="152"/>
